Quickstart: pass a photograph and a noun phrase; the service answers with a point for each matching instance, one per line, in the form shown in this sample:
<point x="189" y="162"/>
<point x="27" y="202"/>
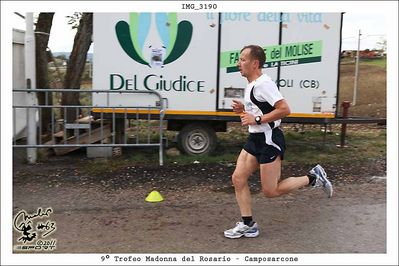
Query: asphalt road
<point x="92" y="219"/>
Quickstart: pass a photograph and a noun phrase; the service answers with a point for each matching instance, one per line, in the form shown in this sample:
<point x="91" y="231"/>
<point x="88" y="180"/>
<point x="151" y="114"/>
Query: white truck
<point x="190" y="59"/>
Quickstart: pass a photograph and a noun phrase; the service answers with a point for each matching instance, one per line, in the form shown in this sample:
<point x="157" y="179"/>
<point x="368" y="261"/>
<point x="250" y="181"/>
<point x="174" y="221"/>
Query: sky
<point x="372" y="26"/>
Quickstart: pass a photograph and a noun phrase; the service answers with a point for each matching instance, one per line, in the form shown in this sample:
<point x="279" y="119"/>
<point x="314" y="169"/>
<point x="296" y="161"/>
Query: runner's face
<point x="245" y="64"/>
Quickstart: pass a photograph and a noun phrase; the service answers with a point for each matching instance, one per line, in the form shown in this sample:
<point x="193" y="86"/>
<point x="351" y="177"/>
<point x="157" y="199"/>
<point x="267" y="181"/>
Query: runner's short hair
<point x="257" y="53"/>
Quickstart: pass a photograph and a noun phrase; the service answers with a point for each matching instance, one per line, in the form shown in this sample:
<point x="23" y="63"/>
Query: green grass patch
<point x="102" y="165"/>
<point x="131" y="157"/>
<point x="306" y="148"/>
<point x="310" y="148"/>
<point x="380" y="62"/>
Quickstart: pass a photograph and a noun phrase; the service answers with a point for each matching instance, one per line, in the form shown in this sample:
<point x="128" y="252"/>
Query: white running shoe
<point x="242" y="230"/>
<point x="321" y="180"/>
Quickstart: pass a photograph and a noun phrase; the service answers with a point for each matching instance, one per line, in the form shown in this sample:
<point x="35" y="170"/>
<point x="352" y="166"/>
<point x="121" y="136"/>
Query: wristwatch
<point x="258" y="120"/>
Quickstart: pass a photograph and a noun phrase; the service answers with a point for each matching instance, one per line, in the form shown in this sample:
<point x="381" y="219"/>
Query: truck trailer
<point x="190" y="60"/>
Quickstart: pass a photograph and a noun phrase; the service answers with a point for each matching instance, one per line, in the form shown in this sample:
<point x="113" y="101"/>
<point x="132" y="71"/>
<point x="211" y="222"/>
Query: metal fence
<point x="113" y="121"/>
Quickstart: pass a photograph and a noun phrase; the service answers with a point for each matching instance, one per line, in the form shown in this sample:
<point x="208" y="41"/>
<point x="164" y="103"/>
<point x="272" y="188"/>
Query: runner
<point x="262" y="113"/>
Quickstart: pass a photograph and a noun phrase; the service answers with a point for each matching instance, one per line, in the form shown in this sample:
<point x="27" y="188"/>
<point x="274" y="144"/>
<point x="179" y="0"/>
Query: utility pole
<point x="356" y="70"/>
<point x="30" y="76"/>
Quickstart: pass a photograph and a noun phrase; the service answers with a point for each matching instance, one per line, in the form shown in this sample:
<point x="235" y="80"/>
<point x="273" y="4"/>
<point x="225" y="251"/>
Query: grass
<point x="98" y="166"/>
<point x="380" y="62"/>
<point x="309" y="147"/>
<point x="364" y="143"/>
<point x="371" y="90"/>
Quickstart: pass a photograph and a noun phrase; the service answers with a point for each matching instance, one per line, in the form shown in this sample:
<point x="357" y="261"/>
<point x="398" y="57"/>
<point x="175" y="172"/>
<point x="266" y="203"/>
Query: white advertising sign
<point x="302" y="57"/>
<point x="176" y="54"/>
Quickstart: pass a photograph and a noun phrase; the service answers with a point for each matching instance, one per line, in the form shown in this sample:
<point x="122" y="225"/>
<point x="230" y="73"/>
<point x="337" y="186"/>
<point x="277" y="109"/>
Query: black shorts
<point x="266" y="153"/>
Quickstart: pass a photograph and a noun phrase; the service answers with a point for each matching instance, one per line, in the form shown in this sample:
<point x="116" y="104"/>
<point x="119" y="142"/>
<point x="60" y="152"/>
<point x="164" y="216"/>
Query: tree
<point x="61" y="57"/>
<point x="76" y="64"/>
<point x="382" y="44"/>
<point x="42" y="30"/>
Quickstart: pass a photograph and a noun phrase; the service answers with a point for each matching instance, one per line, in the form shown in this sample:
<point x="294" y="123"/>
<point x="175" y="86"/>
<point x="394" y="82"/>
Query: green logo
<point x="279" y="55"/>
<point x="175" y="37"/>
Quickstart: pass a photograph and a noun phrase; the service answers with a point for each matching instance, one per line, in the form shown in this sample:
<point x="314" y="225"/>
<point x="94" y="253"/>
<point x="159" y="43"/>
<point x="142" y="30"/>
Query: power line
<point x="18" y="14"/>
<point x="373" y="35"/>
<point x="370" y="35"/>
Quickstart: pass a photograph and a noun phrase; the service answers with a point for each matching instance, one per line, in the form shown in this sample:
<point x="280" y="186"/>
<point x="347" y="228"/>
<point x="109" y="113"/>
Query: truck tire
<point x="197" y="139"/>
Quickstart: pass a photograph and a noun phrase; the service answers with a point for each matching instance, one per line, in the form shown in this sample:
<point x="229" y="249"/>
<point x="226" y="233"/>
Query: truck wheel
<point x="197" y="139"/>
